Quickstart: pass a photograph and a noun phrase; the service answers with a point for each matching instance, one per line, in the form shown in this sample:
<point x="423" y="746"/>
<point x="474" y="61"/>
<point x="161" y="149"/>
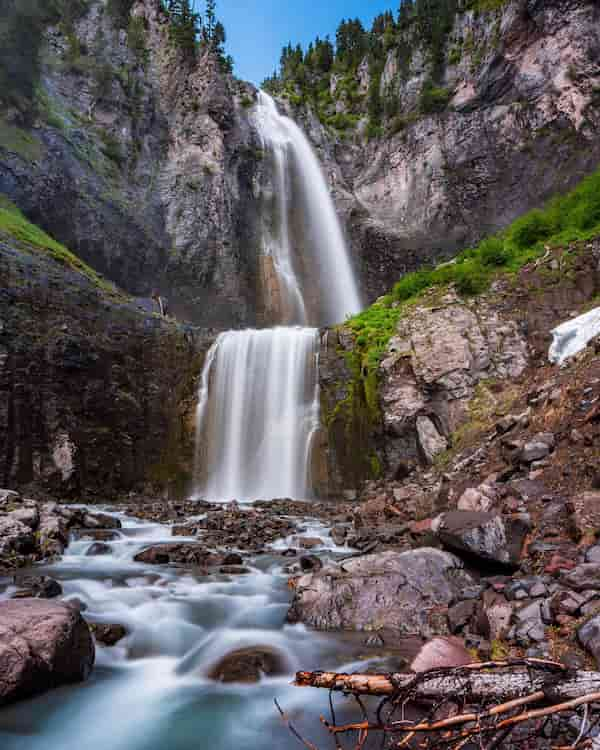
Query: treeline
<point x="23" y="23"/>
<point x="305" y="75"/>
<point x="189" y="31"/>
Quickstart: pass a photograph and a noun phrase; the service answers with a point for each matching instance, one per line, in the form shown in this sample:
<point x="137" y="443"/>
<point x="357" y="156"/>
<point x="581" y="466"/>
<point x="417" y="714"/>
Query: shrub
<point x="433" y="99"/>
<point x="530" y="229"/>
<point x="493" y="252"/>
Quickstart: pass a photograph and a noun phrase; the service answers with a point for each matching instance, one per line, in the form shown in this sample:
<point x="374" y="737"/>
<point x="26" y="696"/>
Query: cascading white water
<point x="263" y="410"/>
<point x="333" y="273"/>
<point x="258" y="406"/>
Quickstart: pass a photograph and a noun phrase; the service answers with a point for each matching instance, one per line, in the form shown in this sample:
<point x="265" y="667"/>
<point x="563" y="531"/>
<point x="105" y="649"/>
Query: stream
<point x="151" y="690"/>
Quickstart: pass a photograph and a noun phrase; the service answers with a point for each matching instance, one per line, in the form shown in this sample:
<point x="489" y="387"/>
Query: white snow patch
<point x="571" y="337"/>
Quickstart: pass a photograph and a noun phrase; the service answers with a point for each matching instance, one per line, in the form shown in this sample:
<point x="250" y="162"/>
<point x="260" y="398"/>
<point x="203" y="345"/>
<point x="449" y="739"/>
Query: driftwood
<point x="482" y="702"/>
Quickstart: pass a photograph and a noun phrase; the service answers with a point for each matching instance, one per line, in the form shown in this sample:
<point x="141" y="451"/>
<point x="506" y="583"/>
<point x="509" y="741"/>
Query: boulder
<point x="100" y="521"/>
<point x="15" y="539"/>
<point x="249" y="665"/>
<point x="108" y="634"/>
<point x="407" y="592"/>
<point x="27" y="515"/>
<point x="40" y="587"/>
<point x="585" y="513"/>
<point x="98" y="548"/>
<point x="589" y="637"/>
<point x="310" y="563"/>
<point x="430" y="441"/>
<point x="189" y="553"/>
<point x="233" y="570"/>
<point x="233" y="559"/>
<point x="43" y="645"/>
<point x="583" y="577"/>
<point x="487" y="536"/>
<point x="441" y="652"/>
<point x="309" y="542"/>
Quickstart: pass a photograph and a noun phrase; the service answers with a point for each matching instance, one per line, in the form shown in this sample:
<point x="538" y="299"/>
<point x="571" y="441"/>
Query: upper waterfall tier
<point x="309" y="254"/>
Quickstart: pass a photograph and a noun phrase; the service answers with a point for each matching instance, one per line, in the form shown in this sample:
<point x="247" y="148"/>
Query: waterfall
<point x="330" y="267"/>
<point x="258" y="401"/>
<point x="261" y="415"/>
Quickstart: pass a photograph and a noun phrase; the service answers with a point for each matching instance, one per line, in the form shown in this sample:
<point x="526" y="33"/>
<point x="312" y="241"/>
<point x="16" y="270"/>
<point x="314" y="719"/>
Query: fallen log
<point x="479" y="682"/>
<point x="474" y="701"/>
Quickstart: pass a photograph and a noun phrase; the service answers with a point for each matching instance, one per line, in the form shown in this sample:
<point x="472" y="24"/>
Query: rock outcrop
<point x="42" y="645"/>
<point x="520" y="124"/>
<point x="97" y="394"/>
<point x="406" y="593"/>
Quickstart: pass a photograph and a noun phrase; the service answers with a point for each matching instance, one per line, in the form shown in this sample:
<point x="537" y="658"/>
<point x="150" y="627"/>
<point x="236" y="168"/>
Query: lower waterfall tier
<point x="258" y="415"/>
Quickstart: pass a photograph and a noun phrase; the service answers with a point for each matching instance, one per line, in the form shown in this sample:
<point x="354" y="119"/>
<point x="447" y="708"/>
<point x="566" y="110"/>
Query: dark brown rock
<point x="108" y="634"/>
<point x="249" y="664"/>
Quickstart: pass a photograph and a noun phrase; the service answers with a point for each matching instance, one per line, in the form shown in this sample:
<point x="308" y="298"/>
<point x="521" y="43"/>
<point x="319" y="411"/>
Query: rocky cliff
<point x="141" y="159"/>
<point x="515" y="114"/>
<point x="97" y="394"/>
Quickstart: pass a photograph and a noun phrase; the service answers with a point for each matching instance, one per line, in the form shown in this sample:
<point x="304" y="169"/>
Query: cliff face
<point x="520" y="126"/>
<point x="97" y="396"/>
<point x="141" y="160"/>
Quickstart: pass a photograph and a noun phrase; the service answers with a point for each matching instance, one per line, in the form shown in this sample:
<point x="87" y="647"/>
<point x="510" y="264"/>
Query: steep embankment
<point x="418" y="377"/>
<point x="434" y="140"/>
<point x="98" y="395"/>
<point x="138" y="156"/>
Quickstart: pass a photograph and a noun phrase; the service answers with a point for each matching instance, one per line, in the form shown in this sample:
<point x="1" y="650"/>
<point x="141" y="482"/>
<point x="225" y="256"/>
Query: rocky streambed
<point x="191" y="635"/>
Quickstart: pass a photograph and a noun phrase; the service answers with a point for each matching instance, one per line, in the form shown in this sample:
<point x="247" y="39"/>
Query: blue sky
<point x="257" y="30"/>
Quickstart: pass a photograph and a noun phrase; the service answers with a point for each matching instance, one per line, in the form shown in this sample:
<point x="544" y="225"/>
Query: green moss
<point x="20" y="142"/>
<point x="14" y="224"/>
<point x="567" y="218"/>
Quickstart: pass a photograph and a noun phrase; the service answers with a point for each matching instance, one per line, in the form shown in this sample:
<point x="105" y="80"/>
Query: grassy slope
<point x="574" y="216"/>
<point x="15" y="225"/>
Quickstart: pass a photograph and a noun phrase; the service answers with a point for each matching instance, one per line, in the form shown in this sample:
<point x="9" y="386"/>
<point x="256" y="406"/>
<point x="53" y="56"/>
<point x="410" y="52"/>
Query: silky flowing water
<point x="151" y="690"/>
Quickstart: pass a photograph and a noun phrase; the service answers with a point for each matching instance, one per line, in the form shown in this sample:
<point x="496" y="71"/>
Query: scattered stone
<point x="43" y="645"/>
<point x="233" y="559"/>
<point x="460" y="614"/>
<point x="310" y="542"/>
<point x="589" y="637"/>
<point x="39" y="587"/>
<point x="310" y="563"/>
<point x="585" y="509"/>
<point x="233" y="570"/>
<point x="108" y="634"/>
<point x="487" y="536"/>
<point x="98" y="548"/>
<point x="249" y="665"/>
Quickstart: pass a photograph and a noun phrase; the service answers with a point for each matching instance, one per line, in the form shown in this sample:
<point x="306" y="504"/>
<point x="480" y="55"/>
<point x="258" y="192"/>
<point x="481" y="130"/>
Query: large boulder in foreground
<point x="43" y="645"/>
<point x="407" y="592"/>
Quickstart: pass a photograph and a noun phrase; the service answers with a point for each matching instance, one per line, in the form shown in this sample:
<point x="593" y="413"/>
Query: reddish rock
<point x="558" y="564"/>
<point x="43" y="644"/>
<point x="441" y="652"/>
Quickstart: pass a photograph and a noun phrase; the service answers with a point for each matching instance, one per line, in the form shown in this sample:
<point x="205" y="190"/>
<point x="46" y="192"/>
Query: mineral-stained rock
<point x="42" y="645"/>
<point x="405" y="592"/>
<point x="490" y="537"/>
<point x="249" y="664"/>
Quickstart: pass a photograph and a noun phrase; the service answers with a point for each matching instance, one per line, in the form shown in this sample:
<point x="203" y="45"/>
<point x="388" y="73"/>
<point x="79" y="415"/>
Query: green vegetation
<point x="14" y="224"/>
<point x="20" y="142"/>
<point x="327" y="74"/>
<point x="574" y="216"/>
<point x="433" y="99"/>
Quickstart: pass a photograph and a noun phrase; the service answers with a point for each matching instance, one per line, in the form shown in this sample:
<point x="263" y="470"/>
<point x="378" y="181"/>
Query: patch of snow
<point x="571" y="337"/>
